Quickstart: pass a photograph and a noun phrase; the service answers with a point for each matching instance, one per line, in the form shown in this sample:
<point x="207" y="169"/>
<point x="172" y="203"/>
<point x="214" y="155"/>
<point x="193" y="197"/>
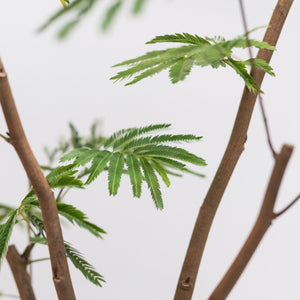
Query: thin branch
<point x="276" y="215"/>
<point x="263" y="222"/>
<point x="38" y="260"/>
<point x="18" y="264"/>
<point x="27" y="251"/>
<point x="231" y="156"/>
<point x="261" y="104"/>
<point x="60" y="269"/>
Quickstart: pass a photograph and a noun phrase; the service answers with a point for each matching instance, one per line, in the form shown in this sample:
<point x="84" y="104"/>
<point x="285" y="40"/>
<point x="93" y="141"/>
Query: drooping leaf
<point x="5" y="211"/>
<point x="181" y="69"/>
<point x="261" y="64"/>
<point x="152" y="182"/>
<point x="115" y="170"/>
<point x="99" y="163"/>
<point x="111" y="14"/>
<point x="5" y="233"/>
<point x="135" y="174"/>
<point x="161" y="171"/>
<point x="82" y="265"/>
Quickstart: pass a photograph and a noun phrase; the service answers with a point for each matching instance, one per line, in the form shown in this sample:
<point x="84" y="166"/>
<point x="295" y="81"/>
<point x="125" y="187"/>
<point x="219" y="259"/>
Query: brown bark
<point x="231" y="156"/>
<point x="263" y="222"/>
<point x="17" y="264"/>
<point x="60" y="270"/>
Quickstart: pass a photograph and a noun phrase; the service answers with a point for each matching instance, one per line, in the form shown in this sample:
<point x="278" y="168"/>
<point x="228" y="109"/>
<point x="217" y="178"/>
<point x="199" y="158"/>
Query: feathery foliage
<point x="87" y="270"/>
<point x="215" y="52"/>
<point x="128" y="151"/>
<point x="5" y="232"/>
<point x="84" y="266"/>
<point x="77" y="10"/>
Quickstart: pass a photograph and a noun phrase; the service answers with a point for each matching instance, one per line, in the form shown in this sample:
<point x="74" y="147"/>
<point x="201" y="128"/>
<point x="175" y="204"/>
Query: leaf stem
<point x="38" y="260"/>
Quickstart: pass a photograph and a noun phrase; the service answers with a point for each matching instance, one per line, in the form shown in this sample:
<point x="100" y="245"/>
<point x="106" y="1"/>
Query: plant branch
<point x="276" y="215"/>
<point x="17" y="264"/>
<point x="231" y="156"/>
<point x="263" y="222"/>
<point x="261" y="104"/>
<point x="60" y="270"/>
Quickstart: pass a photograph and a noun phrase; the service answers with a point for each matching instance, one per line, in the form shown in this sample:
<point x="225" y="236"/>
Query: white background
<point x="56" y="82"/>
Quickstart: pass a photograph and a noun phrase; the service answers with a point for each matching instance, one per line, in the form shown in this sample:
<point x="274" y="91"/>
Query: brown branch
<point x="287" y="207"/>
<point x="60" y="270"/>
<point x="231" y="156"/>
<point x="17" y="264"/>
<point x="263" y="222"/>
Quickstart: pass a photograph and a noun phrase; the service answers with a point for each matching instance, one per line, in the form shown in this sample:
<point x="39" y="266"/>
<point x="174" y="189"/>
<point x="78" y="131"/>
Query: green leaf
<point x="181" y="69"/>
<point x="82" y="265"/>
<point x="138" y="6"/>
<point x="184" y="37"/>
<point x="170" y="152"/>
<point x="73" y="154"/>
<point x="75" y="138"/>
<point x="111" y="14"/>
<point x="98" y="165"/>
<point x="115" y="170"/>
<point x="171" y="163"/>
<point x="5" y="211"/>
<point x="38" y="240"/>
<point x="240" y="69"/>
<point x="161" y="171"/>
<point x="152" y="182"/>
<point x="33" y="219"/>
<point x="65" y="31"/>
<point x="135" y="174"/>
<point x="129" y="135"/>
<point x="5" y="232"/>
<point x="75" y="215"/>
<point x="261" y="64"/>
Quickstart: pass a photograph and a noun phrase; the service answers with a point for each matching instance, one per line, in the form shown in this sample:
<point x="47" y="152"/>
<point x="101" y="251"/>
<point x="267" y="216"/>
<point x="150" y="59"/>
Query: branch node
<point x="186" y="284"/>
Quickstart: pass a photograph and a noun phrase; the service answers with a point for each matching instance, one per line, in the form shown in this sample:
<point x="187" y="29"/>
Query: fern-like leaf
<point x="215" y="52"/>
<point x="185" y="38"/>
<point x="82" y="265"/>
<point x="181" y="69"/>
<point x="115" y="170"/>
<point x="170" y="152"/>
<point x="99" y="163"/>
<point x="111" y="14"/>
<point x="5" y="233"/>
<point x="125" y="139"/>
<point x="152" y="182"/>
<point x="34" y="219"/>
<point x="161" y="171"/>
<point x="5" y="211"/>
<point x="135" y="174"/>
<point x="261" y="64"/>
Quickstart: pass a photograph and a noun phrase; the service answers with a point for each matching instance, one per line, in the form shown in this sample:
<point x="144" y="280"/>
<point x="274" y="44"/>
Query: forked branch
<point x="231" y="156"/>
<point x="18" y="140"/>
<point x="263" y="222"/>
<point x="17" y="264"/>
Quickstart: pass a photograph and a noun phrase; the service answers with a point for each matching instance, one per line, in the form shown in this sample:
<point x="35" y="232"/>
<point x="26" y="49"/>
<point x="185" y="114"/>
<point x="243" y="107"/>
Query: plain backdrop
<point x="55" y="82"/>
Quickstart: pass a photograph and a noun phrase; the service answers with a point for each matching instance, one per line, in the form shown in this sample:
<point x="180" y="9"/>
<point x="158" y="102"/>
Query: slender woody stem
<point x="263" y="222"/>
<point x="60" y="270"/>
<point x="17" y="264"/>
<point x="231" y="156"/>
<point x="287" y="208"/>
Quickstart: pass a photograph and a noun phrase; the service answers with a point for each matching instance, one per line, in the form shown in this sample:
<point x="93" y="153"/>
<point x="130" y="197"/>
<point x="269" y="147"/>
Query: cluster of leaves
<point x="215" y="52"/>
<point x="80" y="8"/>
<point x="131" y="151"/>
<point x="29" y="211"/>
